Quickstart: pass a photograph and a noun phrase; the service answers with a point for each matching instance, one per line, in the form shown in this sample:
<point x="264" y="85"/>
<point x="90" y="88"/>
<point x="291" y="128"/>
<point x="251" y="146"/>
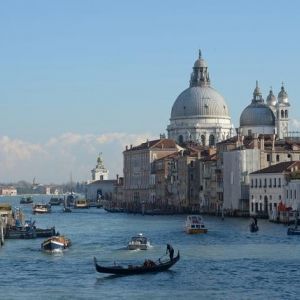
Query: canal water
<point x="227" y="263"/>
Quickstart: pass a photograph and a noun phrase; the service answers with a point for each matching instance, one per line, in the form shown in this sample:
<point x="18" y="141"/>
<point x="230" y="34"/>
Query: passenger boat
<point x="147" y="267"/>
<point x="41" y="208"/>
<point x="293" y="231"/>
<point x="56" y="244"/>
<point x="81" y="203"/>
<point x="139" y="242"/>
<point x="26" y="200"/>
<point x="194" y="224"/>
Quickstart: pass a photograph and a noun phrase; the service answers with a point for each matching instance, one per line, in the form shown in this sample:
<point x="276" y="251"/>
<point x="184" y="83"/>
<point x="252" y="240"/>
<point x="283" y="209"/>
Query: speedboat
<point x="194" y="224"/>
<point x="55" y="201"/>
<point x="139" y="242"/>
<point x="56" y="244"/>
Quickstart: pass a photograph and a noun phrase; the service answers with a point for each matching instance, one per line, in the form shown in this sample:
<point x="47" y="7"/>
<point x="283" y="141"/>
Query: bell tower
<point x="282" y="113"/>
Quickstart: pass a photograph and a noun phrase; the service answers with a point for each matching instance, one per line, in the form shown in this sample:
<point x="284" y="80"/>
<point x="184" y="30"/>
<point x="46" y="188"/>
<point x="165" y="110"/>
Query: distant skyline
<point x="82" y="77"/>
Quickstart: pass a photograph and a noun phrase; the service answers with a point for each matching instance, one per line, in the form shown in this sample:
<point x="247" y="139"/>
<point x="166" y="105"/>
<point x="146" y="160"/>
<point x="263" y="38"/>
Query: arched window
<point x="282" y="114"/>
<point x="180" y="139"/>
<point x="203" y="140"/>
<point x="211" y="140"/>
<point x="286" y="114"/>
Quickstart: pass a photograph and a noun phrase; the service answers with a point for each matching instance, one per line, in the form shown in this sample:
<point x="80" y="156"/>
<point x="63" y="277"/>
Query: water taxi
<point x="26" y="200"/>
<point x="194" y="224"/>
<point x="41" y="208"/>
<point x="56" y="244"/>
<point x="81" y="203"/>
<point x="139" y="242"/>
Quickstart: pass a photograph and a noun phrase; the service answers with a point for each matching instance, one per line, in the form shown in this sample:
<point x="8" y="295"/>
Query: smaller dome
<point x="271" y="99"/>
<point x="257" y="114"/>
<point x="283" y="96"/>
<point x="200" y="62"/>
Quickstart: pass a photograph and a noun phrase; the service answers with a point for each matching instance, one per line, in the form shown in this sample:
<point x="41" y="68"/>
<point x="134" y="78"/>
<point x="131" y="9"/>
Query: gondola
<point x="147" y="267"/>
<point x="253" y="227"/>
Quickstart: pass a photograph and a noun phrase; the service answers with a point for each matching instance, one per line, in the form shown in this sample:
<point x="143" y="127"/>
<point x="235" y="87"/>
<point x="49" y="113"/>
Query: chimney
<point x="255" y="141"/>
<point x="262" y="143"/>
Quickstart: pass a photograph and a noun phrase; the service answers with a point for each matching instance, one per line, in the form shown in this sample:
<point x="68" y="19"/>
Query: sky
<point x="82" y="77"/>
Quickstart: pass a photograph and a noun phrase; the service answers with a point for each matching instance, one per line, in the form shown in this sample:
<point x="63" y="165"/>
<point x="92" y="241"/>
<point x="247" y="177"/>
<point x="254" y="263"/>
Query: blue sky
<point x="82" y="77"/>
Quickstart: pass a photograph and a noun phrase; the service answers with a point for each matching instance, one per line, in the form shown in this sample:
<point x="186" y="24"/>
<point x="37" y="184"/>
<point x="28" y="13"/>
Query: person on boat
<point x="170" y="250"/>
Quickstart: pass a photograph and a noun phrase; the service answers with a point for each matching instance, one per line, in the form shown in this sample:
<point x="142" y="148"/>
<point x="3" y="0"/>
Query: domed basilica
<point x="271" y="117"/>
<point x="200" y="113"/>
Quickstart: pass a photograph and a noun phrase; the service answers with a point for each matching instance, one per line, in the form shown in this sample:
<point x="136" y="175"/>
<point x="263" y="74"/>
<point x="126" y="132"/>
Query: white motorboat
<point x="41" y="208"/>
<point x="139" y="242"/>
<point x="194" y="224"/>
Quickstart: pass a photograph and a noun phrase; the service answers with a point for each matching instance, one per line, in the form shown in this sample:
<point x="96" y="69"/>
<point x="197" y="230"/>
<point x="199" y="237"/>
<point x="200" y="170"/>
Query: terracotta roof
<point x="279" y="168"/>
<point x="155" y="144"/>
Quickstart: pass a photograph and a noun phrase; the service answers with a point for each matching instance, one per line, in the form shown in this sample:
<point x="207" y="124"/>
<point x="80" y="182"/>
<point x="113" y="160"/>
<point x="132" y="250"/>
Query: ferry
<point x="194" y="224"/>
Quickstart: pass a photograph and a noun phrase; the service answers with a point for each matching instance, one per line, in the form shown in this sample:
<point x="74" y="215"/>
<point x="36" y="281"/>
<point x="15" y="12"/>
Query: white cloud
<point x="295" y="125"/>
<point x="54" y="160"/>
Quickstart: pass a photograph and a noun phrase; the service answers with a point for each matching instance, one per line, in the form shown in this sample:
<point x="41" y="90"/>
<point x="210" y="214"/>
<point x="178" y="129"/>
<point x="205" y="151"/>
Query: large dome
<point x="199" y="101"/>
<point x="257" y="114"/>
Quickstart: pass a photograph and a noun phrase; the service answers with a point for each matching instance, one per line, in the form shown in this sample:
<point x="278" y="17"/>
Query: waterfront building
<point x="8" y="191"/>
<point x="139" y="182"/>
<point x="270" y="189"/>
<point x="200" y="114"/>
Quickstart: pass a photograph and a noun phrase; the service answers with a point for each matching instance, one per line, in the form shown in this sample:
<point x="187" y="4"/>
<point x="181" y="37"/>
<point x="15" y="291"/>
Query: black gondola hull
<point x="135" y="270"/>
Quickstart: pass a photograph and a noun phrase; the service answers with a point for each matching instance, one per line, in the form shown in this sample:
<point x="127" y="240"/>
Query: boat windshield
<point x="139" y="239"/>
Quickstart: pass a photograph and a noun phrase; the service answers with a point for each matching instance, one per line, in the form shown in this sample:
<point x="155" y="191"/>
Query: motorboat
<point x="56" y="244"/>
<point x="41" y="208"/>
<point x="55" y="201"/>
<point x="148" y="266"/>
<point x="138" y="242"/>
<point x="293" y="231"/>
<point x="81" y="203"/>
<point x="194" y="224"/>
<point x="26" y="200"/>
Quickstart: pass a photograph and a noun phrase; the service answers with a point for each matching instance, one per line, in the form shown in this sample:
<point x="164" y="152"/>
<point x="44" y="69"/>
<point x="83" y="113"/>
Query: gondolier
<point x="170" y="250"/>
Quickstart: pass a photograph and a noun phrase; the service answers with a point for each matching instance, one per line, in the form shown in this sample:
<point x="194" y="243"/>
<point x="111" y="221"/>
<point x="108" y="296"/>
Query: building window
<point x="270" y="206"/>
<point x="256" y="207"/>
<point x="256" y="182"/>
<point x="268" y="157"/>
<point x="274" y="182"/>
<point x="270" y="197"/>
<point x="259" y="197"/>
<point x="252" y="197"/>
<point x="279" y="197"/>
<point x="282" y="114"/>
<point x="277" y="157"/>
<point x="252" y="206"/>
<point x="192" y="164"/>
<point x="203" y="140"/>
<point x="252" y="182"/>
<point x="275" y="205"/>
<point x="211" y="140"/>
<point x="260" y="182"/>
<point x="286" y="114"/>
<point x="279" y="182"/>
<point x="270" y="182"/>
<point x="265" y="184"/>
<point x="260" y="206"/>
<point x="180" y="139"/>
